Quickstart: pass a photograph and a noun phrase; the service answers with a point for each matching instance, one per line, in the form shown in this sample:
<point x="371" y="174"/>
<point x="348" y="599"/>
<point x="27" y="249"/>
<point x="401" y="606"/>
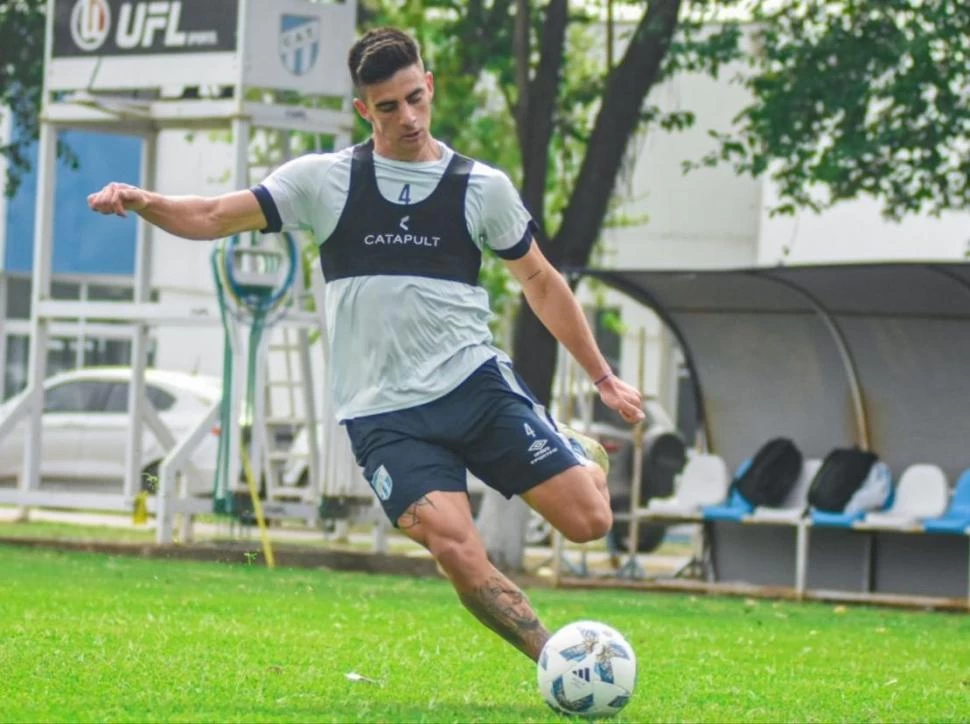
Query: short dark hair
<point x="379" y="54"/>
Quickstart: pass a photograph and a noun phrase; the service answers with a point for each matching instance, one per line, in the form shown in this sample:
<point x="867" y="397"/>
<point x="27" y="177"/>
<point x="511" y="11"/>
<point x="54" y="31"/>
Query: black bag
<point x="842" y="473"/>
<point x="772" y="473"/>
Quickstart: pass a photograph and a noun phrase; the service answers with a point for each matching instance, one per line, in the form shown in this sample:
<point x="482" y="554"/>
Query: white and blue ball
<point x="587" y="669"/>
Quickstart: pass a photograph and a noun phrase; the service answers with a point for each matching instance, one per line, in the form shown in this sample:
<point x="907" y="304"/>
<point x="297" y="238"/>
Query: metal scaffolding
<point x="215" y="66"/>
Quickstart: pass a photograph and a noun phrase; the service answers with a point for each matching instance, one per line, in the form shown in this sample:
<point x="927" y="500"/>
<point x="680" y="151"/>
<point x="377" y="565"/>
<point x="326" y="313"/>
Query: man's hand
<point x="118" y="198"/>
<point x="622" y="397"/>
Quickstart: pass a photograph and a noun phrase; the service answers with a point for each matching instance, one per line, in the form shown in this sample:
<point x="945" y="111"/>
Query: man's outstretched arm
<point x="191" y="217"/>
<point x="558" y="309"/>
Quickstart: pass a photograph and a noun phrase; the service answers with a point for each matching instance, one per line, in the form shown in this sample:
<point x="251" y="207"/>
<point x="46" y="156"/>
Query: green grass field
<point x="85" y="637"/>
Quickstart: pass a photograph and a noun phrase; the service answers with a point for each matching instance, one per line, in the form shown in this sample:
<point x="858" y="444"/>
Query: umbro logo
<point x="541" y="449"/>
<point x="404" y="223"/>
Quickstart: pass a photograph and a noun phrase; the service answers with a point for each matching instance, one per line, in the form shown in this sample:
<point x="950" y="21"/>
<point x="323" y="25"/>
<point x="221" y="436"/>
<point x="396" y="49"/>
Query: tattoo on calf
<point x="411" y="517"/>
<point x="502" y="607"/>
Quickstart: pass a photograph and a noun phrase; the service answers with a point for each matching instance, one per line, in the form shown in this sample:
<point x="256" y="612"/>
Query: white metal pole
<point x="310" y="412"/>
<point x="40" y="279"/>
<point x="40" y="290"/>
<point x="240" y="139"/>
<point x="6" y="130"/>
<point x="307" y="384"/>
<point x="380" y="530"/>
<point x="967" y="532"/>
<point x="328" y="471"/>
<point x="558" y="541"/>
<point x="639" y="431"/>
<point x="259" y="438"/>
<point x="669" y="373"/>
<point x="3" y="314"/>
<point x="179" y="459"/>
<point x="140" y="332"/>
<point x="236" y="387"/>
<point x="801" y="557"/>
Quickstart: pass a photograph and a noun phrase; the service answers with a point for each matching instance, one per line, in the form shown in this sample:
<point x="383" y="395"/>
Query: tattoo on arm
<point x="534" y="275"/>
<point x="502" y="607"/>
<point x="411" y="517"/>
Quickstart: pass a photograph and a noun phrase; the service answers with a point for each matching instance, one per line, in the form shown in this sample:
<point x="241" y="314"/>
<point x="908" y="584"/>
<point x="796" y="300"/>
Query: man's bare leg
<point x="500" y="604"/>
<point x="442" y="522"/>
<point x="596" y="453"/>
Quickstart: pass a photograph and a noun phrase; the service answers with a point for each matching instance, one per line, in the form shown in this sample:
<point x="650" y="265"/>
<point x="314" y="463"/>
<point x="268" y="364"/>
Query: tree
<point x="511" y="69"/>
<point x="22" y="24"/>
<point x="570" y="109"/>
<point x="857" y="98"/>
<point x="571" y="112"/>
<point x="848" y="98"/>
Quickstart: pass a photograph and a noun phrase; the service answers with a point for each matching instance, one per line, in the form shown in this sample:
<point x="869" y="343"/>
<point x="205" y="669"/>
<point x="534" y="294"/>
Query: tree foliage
<point x="21" y="84"/>
<point x="855" y="98"/>
<point x="847" y="98"/>
<point x="529" y="87"/>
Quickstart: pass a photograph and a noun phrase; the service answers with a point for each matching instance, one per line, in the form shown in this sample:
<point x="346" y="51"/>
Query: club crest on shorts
<point x="299" y="43"/>
<point x="381" y="483"/>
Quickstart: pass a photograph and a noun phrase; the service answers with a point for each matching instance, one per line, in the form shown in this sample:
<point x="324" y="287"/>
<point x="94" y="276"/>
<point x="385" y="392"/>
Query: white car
<point x="85" y="425"/>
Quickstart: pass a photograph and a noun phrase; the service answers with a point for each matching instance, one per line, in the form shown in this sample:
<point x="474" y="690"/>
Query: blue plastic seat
<point x="735" y="508"/>
<point x="823" y="519"/>
<point x="956" y="519"/>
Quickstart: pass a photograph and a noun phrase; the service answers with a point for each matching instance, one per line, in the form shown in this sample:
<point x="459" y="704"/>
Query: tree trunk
<point x="618" y="118"/>
<point x="533" y="348"/>
<point x="536" y="348"/>
<point x="502" y="524"/>
<point x="536" y="125"/>
<point x="522" y="48"/>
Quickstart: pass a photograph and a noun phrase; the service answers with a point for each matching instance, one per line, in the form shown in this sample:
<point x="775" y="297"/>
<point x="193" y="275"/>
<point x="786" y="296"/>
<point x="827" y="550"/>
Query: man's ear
<point x="361" y="108"/>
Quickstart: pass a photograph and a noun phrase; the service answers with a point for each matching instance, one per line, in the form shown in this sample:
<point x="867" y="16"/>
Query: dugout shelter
<point x="872" y="355"/>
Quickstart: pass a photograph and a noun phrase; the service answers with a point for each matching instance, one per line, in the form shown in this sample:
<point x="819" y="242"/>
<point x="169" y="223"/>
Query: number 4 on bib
<point x="405" y="197"/>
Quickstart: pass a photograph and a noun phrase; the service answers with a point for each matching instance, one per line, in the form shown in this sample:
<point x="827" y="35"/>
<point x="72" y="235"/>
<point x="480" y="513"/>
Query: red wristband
<point x="602" y="379"/>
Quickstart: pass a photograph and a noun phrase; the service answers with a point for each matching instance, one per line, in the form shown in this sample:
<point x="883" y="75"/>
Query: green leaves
<point x="854" y="98"/>
<point x="21" y="76"/>
<point x="21" y="82"/>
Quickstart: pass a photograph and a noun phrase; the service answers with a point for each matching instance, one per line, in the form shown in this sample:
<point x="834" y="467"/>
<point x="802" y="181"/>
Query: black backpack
<point x="842" y="473"/>
<point x="772" y="473"/>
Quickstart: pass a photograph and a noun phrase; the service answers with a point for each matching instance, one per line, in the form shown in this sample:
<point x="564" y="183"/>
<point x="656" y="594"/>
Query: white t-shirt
<point x="398" y="340"/>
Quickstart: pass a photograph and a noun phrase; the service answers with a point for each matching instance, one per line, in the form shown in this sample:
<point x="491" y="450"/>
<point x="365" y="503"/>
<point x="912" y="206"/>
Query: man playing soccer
<point x="402" y="221"/>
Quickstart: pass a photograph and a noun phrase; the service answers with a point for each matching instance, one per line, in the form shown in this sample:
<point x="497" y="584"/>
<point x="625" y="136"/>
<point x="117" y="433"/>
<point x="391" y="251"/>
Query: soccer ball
<point x="587" y="669"/>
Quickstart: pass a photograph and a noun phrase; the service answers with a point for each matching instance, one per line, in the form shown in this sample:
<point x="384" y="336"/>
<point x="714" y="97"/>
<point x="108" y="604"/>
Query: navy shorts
<point x="490" y="425"/>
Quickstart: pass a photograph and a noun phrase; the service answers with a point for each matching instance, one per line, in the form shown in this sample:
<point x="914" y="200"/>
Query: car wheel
<point x="650" y="536"/>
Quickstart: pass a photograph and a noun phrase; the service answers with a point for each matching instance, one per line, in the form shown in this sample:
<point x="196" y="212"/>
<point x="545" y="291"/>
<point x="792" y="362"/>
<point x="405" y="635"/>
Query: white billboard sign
<point x="105" y="45"/>
<point x="299" y="46"/>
